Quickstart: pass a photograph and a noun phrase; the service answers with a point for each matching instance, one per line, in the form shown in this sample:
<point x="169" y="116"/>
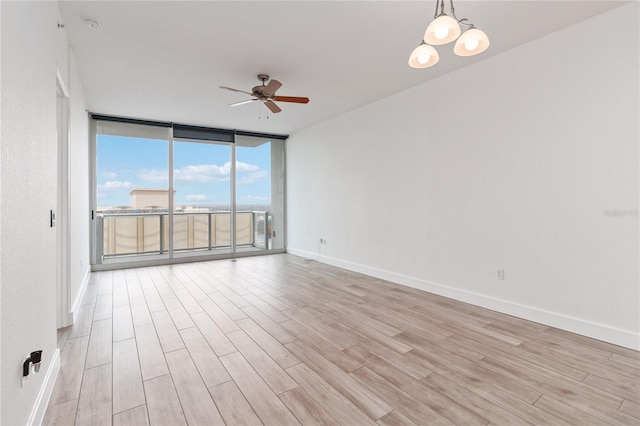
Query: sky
<point x="202" y="171"/>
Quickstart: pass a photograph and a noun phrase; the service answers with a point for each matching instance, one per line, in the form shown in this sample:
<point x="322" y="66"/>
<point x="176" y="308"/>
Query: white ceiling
<point x="165" y="60"/>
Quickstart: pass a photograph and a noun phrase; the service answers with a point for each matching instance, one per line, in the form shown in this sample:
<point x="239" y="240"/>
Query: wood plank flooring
<point x="280" y="340"/>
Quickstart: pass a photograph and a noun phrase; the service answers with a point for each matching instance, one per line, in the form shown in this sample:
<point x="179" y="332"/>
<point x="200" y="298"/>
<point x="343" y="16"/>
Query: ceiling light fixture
<point x="445" y="29"/>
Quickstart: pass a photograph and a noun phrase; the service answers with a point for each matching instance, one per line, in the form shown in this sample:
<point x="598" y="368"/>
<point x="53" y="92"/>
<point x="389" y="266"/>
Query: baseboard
<point x="80" y="296"/>
<point x="42" y="401"/>
<point x="580" y="326"/>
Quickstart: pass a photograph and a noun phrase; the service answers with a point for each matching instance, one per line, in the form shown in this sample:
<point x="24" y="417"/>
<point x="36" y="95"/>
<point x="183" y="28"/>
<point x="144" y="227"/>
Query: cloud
<point x="203" y="173"/>
<point x="245" y="167"/>
<point x="252" y="177"/>
<point x="116" y="184"/>
<point x="109" y="175"/>
<point x="195" y="197"/>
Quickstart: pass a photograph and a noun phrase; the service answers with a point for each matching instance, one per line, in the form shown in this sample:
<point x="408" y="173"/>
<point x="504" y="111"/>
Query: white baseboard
<point x="602" y="332"/>
<point x="80" y="296"/>
<point x="42" y="401"/>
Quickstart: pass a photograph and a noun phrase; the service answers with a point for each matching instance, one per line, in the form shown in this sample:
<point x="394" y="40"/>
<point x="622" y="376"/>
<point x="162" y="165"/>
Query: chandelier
<point x="445" y="29"/>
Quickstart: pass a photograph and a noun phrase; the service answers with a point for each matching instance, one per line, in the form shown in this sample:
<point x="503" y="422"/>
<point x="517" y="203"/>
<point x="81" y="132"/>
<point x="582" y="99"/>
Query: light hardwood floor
<point x="279" y="340"/>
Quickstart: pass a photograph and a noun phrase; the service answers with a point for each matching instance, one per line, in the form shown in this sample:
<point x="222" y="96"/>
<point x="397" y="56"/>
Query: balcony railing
<point x="132" y="234"/>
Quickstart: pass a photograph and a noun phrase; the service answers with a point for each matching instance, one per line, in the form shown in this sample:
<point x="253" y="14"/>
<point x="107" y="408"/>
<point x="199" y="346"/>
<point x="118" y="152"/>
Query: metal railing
<point x="136" y="234"/>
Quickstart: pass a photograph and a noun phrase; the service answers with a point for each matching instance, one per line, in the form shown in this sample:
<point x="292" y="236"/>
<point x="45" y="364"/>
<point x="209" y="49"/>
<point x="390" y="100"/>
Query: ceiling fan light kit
<point x="266" y="93"/>
<point x="445" y="29"/>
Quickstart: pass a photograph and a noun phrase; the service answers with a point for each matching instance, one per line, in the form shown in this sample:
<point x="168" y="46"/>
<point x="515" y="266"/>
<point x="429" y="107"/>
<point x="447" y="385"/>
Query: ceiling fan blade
<point x="272" y="86"/>
<point x="235" y="90"/>
<point x="272" y="106"/>
<point x="242" y="102"/>
<point x="294" y="99"/>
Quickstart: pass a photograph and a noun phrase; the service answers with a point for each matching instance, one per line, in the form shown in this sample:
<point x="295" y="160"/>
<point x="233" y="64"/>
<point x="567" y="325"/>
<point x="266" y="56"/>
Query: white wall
<point x="32" y="50"/>
<point x="28" y="175"/>
<point x="78" y="170"/>
<point x="510" y="164"/>
<point x="79" y="263"/>
<point x="0" y="214"/>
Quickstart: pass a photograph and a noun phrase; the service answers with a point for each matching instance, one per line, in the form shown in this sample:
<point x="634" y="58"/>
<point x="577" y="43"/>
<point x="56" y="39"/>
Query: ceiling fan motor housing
<point x="259" y="92"/>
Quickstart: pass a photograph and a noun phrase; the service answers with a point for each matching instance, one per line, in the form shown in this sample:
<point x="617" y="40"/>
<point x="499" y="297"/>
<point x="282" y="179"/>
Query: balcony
<point x="140" y="234"/>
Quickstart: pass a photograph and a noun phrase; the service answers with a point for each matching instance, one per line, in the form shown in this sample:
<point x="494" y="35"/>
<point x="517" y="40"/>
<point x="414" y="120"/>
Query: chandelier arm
<point x="453" y="13"/>
<point x="441" y="4"/>
<point x="461" y="21"/>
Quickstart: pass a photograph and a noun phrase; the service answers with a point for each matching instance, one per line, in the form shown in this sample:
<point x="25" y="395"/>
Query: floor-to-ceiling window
<point x="165" y="191"/>
<point x="260" y="191"/>
<point x="131" y="191"/>
<point x="202" y="184"/>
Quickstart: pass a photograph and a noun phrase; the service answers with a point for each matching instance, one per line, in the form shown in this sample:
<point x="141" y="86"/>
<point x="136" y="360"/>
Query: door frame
<point x="64" y="317"/>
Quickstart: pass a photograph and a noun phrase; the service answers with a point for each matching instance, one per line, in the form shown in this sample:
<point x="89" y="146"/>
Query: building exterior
<point x="144" y="198"/>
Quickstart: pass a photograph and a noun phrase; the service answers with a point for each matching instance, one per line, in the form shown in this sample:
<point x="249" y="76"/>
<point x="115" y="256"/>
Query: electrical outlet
<point x="501" y="274"/>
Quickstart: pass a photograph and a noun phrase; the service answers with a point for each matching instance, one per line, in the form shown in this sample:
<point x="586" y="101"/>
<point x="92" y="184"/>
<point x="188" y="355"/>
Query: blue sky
<point x="201" y="171"/>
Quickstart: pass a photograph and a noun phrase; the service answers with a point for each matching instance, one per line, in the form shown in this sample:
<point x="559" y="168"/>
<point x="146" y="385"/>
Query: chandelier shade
<point x="442" y="30"/>
<point x="423" y="56"/>
<point x="471" y="42"/>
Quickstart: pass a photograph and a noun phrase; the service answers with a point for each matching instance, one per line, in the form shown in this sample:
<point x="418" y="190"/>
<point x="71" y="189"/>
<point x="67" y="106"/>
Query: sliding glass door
<point x="164" y="192"/>
<point x="202" y="187"/>
<point x="259" y="193"/>
<point x="131" y="192"/>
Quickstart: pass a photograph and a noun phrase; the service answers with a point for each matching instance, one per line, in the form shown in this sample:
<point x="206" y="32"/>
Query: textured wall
<point x="28" y="174"/>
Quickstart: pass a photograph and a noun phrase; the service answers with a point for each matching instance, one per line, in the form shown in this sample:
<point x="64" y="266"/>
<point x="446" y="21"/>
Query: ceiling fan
<point x="267" y="94"/>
